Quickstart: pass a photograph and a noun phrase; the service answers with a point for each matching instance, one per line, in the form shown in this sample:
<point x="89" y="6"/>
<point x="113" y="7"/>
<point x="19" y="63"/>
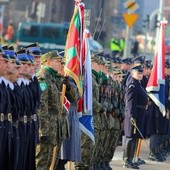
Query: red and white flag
<point x="156" y="83"/>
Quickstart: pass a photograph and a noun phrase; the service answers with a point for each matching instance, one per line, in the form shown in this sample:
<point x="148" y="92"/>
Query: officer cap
<point x="34" y="49"/>
<point x="118" y="60"/>
<point x="31" y="57"/>
<point x="50" y="55"/>
<point x="5" y="56"/>
<point x="23" y="57"/>
<point x="18" y="63"/>
<point x="138" y="69"/>
<point x="11" y="53"/>
<point x="126" y="61"/>
<point x="139" y="60"/>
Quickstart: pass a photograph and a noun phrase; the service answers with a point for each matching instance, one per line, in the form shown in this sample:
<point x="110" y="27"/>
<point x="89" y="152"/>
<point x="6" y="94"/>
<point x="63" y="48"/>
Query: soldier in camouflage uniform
<point x="112" y="102"/>
<point x="88" y="150"/>
<point x="53" y="122"/>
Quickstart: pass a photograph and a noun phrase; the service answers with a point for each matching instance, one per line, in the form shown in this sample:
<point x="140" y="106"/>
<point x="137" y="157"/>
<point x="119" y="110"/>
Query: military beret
<point x="94" y="59"/>
<point x="50" y="55"/>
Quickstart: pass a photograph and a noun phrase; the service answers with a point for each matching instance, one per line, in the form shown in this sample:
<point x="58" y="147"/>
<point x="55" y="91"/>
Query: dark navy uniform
<point x="136" y="101"/>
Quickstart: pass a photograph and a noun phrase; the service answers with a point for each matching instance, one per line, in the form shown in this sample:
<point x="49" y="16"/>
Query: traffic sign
<point x="130" y="19"/>
<point x="131" y="6"/>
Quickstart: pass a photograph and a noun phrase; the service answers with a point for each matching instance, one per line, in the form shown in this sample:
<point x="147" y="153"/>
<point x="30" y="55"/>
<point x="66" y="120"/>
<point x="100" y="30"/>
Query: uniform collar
<point x="19" y="81"/>
<point x="11" y="85"/>
<point x="5" y="81"/>
<point x="51" y="71"/>
<point x="34" y="75"/>
<point x="0" y="80"/>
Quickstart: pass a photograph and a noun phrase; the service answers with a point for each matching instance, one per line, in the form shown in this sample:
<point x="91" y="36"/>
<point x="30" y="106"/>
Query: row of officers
<point x="36" y="132"/>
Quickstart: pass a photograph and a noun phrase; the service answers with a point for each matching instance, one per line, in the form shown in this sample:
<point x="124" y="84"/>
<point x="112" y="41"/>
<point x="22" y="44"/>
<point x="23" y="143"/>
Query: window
<point x="31" y="31"/>
<point x="50" y="32"/>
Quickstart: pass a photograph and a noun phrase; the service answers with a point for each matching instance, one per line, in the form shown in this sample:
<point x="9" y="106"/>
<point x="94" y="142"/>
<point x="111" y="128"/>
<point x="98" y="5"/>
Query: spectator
<point x="135" y="48"/>
<point x="9" y="33"/>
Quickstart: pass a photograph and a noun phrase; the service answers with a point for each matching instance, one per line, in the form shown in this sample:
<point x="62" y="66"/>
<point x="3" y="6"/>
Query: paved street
<point x="116" y="163"/>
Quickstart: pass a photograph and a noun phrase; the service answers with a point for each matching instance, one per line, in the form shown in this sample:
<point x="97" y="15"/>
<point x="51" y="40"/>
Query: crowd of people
<point x="37" y="132"/>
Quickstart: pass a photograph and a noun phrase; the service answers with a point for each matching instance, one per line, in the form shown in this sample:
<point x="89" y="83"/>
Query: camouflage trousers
<point x="110" y="144"/>
<point x="86" y="150"/>
<point x="44" y="156"/>
<point x="100" y="136"/>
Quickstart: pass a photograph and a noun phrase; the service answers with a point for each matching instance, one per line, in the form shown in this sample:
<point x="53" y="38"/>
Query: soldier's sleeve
<point x="132" y="100"/>
<point x="43" y="112"/>
<point x="96" y="104"/>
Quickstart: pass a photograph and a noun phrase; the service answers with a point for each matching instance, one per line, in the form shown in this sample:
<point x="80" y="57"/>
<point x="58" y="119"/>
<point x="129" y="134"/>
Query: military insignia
<point x="43" y="86"/>
<point x="131" y="86"/>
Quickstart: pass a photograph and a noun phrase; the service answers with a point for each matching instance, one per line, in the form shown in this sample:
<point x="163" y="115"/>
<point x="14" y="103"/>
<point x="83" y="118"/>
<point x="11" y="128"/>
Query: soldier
<point x="5" y="123"/>
<point x="15" y="106"/>
<point x="53" y="123"/>
<point x="134" y="115"/>
<point x="157" y="128"/>
<point x="24" y="126"/>
<point x="88" y="150"/>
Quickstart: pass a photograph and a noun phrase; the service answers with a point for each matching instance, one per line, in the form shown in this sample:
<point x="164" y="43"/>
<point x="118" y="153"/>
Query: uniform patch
<point x="131" y="86"/>
<point x="43" y="86"/>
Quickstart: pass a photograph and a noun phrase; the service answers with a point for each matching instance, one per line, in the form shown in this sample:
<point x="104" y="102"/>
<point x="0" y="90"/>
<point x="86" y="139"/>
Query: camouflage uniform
<point x="53" y="123"/>
<point x="99" y="123"/>
<point x="87" y="147"/>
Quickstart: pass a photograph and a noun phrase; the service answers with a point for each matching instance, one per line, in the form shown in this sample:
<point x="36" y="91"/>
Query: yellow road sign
<point x="131" y="5"/>
<point x="130" y="19"/>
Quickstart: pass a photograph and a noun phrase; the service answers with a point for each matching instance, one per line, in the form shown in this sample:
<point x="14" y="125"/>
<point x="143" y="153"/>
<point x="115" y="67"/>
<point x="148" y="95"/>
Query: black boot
<point x="108" y="166"/>
<point x="129" y="154"/>
<point x="61" y="164"/>
<point x="154" y="156"/>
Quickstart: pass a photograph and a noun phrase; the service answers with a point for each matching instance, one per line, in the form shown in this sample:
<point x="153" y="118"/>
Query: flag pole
<point x="64" y="88"/>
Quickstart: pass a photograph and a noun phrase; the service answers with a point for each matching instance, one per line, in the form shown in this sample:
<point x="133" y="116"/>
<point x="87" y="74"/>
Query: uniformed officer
<point x="53" y="122"/>
<point x="24" y="122"/>
<point x="4" y="121"/>
<point x="134" y="115"/>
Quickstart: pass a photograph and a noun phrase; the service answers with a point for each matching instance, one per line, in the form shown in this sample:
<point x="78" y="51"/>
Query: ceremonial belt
<point x="25" y="119"/>
<point x="6" y="117"/>
<point x="34" y="117"/>
<point x="140" y="106"/>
